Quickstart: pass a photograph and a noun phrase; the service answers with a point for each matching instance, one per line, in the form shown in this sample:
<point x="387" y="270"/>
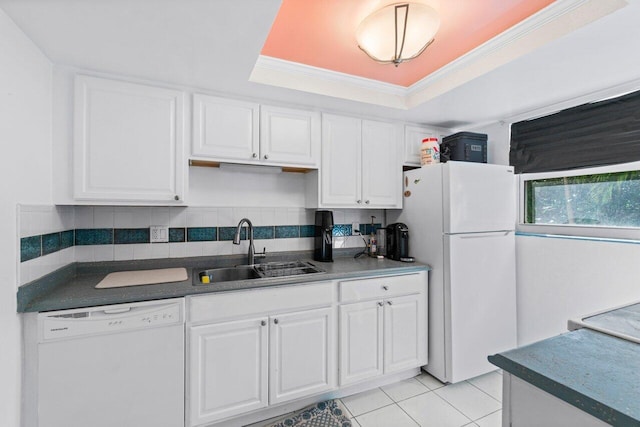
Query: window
<point x="609" y="199"/>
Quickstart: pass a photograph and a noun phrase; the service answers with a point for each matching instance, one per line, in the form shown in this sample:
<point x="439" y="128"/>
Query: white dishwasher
<point x="119" y="365"/>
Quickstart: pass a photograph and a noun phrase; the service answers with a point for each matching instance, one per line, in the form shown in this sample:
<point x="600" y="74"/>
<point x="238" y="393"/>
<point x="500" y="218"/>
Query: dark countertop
<point x="73" y="286"/>
<point x="595" y="372"/>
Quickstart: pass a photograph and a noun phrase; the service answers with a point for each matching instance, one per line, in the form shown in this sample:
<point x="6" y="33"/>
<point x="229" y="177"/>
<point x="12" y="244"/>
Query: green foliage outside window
<point x="608" y="200"/>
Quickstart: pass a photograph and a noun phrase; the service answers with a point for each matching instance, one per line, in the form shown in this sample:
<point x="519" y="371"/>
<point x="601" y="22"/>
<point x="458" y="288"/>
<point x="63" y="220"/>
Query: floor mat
<point x="324" y="414"/>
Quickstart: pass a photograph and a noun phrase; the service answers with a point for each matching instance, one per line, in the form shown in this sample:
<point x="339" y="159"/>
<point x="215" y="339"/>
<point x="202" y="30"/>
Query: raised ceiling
<point x="214" y="46"/>
<point x="322" y="34"/>
<point x="321" y="56"/>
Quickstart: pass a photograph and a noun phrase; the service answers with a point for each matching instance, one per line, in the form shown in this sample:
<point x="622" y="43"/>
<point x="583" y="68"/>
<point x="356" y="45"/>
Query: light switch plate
<point x="159" y="233"/>
<point x="355" y="229"/>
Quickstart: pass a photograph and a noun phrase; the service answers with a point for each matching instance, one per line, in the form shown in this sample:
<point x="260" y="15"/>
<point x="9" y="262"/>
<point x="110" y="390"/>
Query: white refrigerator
<point x="461" y="218"/>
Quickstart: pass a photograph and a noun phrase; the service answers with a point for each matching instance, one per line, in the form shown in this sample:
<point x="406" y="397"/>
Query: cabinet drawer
<point x="381" y="287"/>
<point x="238" y="304"/>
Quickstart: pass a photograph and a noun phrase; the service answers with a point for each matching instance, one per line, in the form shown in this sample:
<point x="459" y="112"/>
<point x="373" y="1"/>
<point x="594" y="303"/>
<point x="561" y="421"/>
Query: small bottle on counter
<point x="373" y="244"/>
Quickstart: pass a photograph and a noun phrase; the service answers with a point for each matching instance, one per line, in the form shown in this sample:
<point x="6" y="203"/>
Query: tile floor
<point x="424" y="401"/>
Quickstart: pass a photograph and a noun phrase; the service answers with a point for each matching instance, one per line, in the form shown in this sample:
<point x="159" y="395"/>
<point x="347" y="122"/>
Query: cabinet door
<point x="413" y="137"/>
<point x="289" y="136"/>
<point x="228" y="369"/>
<point x="225" y="128"/>
<point x="381" y="169"/>
<point x="341" y="169"/>
<point x="360" y="341"/>
<point x="128" y="142"/>
<point x="404" y="335"/>
<point x="302" y="354"/>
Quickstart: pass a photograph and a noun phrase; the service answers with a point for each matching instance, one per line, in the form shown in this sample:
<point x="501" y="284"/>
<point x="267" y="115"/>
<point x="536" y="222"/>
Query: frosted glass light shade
<point x="381" y="34"/>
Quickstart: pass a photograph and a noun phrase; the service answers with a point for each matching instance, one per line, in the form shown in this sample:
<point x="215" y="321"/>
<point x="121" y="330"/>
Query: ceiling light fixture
<point x="392" y="35"/>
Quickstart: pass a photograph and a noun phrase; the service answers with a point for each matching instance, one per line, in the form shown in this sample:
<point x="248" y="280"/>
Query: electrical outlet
<point x="355" y="229"/>
<point x="159" y="233"/>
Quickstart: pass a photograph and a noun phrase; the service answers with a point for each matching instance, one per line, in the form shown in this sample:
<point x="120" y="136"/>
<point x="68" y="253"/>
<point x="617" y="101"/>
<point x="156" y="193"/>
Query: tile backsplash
<point x="46" y="240"/>
<point x="53" y="236"/>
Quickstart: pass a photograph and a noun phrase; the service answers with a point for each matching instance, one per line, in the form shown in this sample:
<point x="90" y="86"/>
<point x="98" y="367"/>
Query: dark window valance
<point x="596" y="134"/>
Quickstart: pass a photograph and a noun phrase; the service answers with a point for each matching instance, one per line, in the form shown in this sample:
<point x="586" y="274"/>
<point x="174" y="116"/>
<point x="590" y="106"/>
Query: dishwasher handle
<point x="117" y="310"/>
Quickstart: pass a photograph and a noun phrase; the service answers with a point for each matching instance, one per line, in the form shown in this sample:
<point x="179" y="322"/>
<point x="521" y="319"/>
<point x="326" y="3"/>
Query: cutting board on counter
<point x="120" y="279"/>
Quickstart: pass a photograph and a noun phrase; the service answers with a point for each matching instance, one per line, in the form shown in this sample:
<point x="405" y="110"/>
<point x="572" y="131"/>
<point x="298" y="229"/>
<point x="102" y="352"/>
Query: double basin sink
<point x="256" y="271"/>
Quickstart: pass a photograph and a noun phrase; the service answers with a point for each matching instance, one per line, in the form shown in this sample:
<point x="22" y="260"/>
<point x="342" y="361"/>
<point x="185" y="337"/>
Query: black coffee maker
<point x="398" y="242"/>
<point x="323" y="251"/>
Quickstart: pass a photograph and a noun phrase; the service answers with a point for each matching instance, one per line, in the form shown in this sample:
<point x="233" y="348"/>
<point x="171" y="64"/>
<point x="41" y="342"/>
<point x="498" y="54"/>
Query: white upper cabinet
<point x="341" y="173"/>
<point x="234" y="131"/>
<point x="225" y="129"/>
<point x="289" y="136"/>
<point x="381" y="169"/>
<point x="360" y="166"/>
<point x="128" y="142"/>
<point x="413" y="136"/>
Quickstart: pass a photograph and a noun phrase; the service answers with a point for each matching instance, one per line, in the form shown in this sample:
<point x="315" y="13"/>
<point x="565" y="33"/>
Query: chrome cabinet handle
<point x="366" y="201"/>
<point x="266" y="156"/>
<point x="263" y="323"/>
<point x="176" y="197"/>
<point x="380" y="303"/>
<point x="389" y="302"/>
<point x="385" y="287"/>
<point x="254" y="155"/>
<point x="275" y="321"/>
<point x="359" y="201"/>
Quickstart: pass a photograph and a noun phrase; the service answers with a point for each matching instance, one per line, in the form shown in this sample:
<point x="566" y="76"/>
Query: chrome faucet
<point x="252" y="250"/>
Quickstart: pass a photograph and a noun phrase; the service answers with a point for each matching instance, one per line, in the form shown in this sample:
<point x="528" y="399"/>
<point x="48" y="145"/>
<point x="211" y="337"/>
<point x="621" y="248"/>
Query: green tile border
<point x="202" y="234"/>
<point x="127" y="236"/>
<point x="32" y="247"/>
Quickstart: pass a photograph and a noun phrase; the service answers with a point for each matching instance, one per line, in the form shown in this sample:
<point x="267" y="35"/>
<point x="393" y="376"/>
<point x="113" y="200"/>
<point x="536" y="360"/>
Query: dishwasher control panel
<point x="98" y="320"/>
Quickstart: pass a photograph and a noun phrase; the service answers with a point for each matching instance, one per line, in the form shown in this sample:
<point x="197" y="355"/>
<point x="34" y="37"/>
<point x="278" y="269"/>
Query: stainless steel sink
<point x="257" y="271"/>
<point x="216" y="275"/>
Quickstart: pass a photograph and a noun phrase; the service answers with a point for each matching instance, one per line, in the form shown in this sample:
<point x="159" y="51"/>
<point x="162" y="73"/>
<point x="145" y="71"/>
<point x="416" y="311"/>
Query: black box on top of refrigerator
<point x="464" y="147"/>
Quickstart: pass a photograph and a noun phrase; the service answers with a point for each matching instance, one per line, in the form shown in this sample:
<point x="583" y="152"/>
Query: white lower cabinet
<point x="379" y="337"/>
<point x="257" y="348"/>
<point x="403" y="331"/>
<point x="301" y="354"/>
<point x="238" y="366"/>
<point x="385" y="334"/>
<point x="360" y="341"/>
<point x="229" y="369"/>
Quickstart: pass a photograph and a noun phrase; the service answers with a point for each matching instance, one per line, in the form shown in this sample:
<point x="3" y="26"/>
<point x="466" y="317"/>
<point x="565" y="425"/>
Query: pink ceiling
<point x="321" y="33"/>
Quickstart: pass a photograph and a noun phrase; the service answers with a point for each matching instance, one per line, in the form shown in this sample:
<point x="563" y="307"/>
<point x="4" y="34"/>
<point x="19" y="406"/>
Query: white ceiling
<point x="214" y="45"/>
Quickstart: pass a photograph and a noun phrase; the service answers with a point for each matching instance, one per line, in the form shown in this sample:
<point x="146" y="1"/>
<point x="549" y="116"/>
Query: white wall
<point x="499" y="136"/>
<point x="220" y="188"/>
<point x="25" y="132"/>
<point x="561" y="278"/>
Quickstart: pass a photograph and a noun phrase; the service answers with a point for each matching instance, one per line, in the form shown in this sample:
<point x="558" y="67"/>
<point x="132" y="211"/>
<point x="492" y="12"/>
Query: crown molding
<point x="554" y="21"/>
<point x="293" y="75"/>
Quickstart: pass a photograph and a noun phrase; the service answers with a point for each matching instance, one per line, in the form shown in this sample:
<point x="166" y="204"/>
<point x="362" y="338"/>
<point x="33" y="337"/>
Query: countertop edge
<point x="35" y="296"/>
<point x="567" y="394"/>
